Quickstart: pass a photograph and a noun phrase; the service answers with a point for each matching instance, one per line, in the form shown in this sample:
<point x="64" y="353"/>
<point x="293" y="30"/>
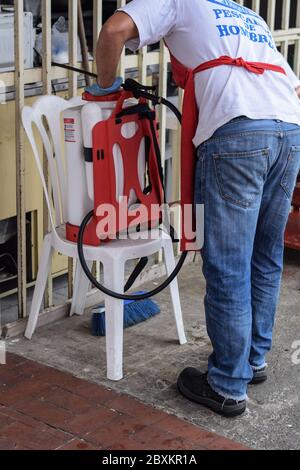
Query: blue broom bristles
<point x="134" y="312"/>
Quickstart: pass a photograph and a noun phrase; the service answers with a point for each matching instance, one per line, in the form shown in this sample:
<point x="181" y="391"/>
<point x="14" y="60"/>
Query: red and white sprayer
<point x="113" y="157"/>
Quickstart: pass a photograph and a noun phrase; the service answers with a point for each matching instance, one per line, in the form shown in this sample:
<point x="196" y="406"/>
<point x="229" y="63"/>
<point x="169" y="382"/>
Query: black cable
<point x="173" y="108"/>
<point x="137" y="271"/>
<point x="158" y="157"/>
<point x="109" y="292"/>
<point x="74" y="69"/>
<point x="53" y="88"/>
<point x="138" y="92"/>
<point x="129" y="85"/>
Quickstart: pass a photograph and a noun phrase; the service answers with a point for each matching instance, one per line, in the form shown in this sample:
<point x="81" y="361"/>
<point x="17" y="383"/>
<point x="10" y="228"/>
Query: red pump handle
<point x="125" y="95"/>
<point x="120" y="104"/>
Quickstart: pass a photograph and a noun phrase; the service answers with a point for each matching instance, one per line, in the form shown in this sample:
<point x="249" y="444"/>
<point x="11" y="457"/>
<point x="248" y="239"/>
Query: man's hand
<point x="298" y="91"/>
<point x="114" y="34"/>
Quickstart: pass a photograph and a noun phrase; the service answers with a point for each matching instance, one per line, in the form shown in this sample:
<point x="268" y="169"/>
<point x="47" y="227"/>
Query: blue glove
<point x="97" y="90"/>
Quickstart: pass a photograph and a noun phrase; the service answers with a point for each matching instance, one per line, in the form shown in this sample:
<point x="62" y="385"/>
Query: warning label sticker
<point x="69" y="126"/>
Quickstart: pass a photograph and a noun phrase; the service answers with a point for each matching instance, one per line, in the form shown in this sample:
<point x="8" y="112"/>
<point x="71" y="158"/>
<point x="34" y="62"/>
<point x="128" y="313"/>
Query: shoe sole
<point x="227" y="411"/>
<point x="258" y="380"/>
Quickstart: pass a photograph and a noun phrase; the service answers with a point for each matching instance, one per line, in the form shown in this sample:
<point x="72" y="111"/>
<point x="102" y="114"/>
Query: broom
<point x="134" y="311"/>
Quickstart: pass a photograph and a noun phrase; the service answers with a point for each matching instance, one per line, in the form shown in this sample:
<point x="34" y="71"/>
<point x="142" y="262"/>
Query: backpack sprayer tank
<point x="122" y="165"/>
<point x="79" y="123"/>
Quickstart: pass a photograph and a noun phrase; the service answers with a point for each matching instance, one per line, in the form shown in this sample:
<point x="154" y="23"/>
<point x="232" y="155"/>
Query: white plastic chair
<point x="112" y="256"/>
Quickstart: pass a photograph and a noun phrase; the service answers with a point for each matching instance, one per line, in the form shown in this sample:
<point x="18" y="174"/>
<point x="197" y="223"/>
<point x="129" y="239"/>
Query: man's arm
<point x="298" y="91"/>
<point x="119" y="29"/>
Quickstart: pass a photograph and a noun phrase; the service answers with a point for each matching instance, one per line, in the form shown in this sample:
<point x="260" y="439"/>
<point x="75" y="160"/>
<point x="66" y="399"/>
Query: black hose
<point x="172" y="107"/>
<point x="117" y="295"/>
<point x="142" y="90"/>
<point x="74" y="69"/>
<point x="138" y="91"/>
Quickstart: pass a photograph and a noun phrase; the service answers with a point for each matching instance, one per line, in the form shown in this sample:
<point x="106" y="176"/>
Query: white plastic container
<point x="78" y="202"/>
<point x="91" y="114"/>
<point x="79" y="123"/>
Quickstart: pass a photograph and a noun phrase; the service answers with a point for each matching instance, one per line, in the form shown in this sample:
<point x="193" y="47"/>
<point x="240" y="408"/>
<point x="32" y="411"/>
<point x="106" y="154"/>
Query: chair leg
<point x="114" y="322"/>
<point x="43" y="272"/>
<point x="170" y="266"/>
<point x="81" y="288"/>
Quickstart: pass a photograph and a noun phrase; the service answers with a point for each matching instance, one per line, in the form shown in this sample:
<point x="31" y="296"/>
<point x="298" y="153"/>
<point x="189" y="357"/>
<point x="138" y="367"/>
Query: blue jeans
<point x="245" y="177"/>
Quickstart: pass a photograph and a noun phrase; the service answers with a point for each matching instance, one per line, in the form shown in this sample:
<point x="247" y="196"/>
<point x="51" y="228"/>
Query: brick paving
<point x="42" y="408"/>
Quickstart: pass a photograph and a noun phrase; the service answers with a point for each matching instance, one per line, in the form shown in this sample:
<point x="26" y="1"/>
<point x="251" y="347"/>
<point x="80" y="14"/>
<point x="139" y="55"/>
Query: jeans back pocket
<point x="288" y="181"/>
<point x="241" y="175"/>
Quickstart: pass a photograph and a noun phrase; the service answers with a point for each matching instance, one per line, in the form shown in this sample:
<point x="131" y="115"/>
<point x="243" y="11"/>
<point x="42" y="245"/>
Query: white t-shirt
<point x="200" y="30"/>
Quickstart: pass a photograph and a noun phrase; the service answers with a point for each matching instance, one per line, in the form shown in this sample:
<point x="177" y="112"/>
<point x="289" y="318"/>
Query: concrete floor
<point x="153" y="359"/>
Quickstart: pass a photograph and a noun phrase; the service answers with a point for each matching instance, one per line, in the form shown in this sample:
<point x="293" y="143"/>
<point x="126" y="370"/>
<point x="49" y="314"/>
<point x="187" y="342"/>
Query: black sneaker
<point x="259" y="376"/>
<point x="193" y="385"/>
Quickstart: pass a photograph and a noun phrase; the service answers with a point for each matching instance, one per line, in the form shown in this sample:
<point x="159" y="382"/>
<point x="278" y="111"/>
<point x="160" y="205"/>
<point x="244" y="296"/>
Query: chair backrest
<point x="45" y="114"/>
